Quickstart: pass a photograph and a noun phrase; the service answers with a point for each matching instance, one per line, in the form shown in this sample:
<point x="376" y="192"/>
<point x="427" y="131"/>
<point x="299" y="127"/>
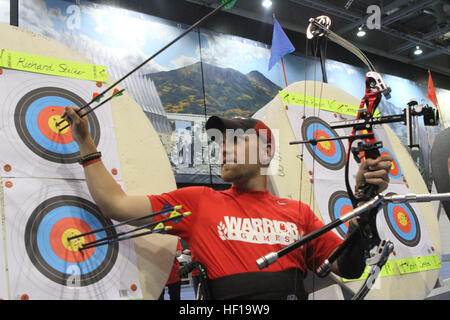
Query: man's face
<point x="240" y="157"/>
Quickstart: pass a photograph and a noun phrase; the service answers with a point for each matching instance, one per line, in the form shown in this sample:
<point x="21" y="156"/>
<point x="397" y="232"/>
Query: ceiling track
<point x="351" y="17"/>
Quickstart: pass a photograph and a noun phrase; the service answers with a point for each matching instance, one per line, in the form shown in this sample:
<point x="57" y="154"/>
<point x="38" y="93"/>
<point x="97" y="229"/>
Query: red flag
<point x="431" y="93"/>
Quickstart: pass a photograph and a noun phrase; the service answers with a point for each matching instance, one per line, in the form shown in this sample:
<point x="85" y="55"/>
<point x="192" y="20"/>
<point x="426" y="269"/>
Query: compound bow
<point x="377" y="251"/>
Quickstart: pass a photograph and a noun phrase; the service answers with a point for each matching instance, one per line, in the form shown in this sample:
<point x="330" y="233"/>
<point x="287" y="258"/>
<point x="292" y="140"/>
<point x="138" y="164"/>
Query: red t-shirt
<point x="229" y="230"/>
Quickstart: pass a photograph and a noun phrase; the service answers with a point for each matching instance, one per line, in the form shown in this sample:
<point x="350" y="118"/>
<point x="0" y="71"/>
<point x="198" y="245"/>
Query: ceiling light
<point x="267" y="3"/>
<point x="361" y="33"/>
<point x="418" y="51"/>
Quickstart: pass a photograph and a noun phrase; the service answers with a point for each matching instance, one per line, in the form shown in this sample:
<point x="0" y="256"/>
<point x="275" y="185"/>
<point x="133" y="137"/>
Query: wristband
<point x="87" y="163"/>
<point x="89" y="157"/>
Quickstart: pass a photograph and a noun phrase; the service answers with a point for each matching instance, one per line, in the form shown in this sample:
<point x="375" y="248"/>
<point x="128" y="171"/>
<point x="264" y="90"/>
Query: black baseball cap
<point x="245" y="124"/>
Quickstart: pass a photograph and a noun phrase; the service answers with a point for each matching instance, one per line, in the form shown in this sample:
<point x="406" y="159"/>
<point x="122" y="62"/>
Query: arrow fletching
<point x="229" y="5"/>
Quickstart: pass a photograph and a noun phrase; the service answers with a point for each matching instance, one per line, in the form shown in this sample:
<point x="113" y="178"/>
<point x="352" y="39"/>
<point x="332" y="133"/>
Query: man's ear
<point x="266" y="153"/>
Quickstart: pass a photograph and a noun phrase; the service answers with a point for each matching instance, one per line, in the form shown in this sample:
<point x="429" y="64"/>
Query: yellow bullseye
<point x="402" y="219"/>
<point x="53" y="120"/>
<point x="326" y="145"/>
<point x="74" y="244"/>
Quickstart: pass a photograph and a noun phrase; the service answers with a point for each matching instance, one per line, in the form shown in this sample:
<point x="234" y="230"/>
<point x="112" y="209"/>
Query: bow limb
<point x="369" y="148"/>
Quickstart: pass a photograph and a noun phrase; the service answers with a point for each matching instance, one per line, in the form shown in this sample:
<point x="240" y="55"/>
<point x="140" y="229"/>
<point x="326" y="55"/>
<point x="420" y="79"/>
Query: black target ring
<point x="59" y="215"/>
<point x="338" y="205"/>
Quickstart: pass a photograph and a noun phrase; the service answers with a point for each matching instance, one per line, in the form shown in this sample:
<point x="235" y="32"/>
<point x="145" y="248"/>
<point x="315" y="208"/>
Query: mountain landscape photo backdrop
<point x="222" y="91"/>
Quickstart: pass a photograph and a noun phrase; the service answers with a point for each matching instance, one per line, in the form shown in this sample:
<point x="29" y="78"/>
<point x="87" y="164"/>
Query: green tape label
<point x="418" y="264"/>
<point x="319" y="103"/>
<point x="404" y="266"/>
<point x="56" y="67"/>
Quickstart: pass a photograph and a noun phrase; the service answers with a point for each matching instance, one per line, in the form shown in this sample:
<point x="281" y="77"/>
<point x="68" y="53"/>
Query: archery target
<point x="44" y="264"/>
<point x="330" y="154"/>
<point x="326" y="160"/>
<point x="46" y="240"/>
<point x="339" y="204"/>
<point x="403" y="222"/>
<point x="37" y="119"/>
<point x="31" y="106"/>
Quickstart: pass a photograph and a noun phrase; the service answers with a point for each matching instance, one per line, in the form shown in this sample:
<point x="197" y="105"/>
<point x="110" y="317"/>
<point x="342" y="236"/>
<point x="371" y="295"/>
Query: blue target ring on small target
<point x="47" y="243"/>
<point x="339" y="204"/>
<point x="37" y="116"/>
<point x="330" y="154"/>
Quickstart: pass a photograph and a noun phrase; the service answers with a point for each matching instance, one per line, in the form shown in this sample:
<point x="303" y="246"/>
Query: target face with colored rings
<point x="57" y="258"/>
<point x="36" y="118"/>
<point x="330" y="154"/>
<point x="403" y="222"/>
<point x="395" y="171"/>
<point x="339" y="204"/>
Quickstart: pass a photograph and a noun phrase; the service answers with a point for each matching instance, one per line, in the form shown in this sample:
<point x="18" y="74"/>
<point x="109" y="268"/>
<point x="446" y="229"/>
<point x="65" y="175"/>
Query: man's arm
<point x="106" y="192"/>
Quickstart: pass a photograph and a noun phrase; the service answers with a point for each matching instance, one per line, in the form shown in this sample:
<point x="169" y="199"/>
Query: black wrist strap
<point x="89" y="157"/>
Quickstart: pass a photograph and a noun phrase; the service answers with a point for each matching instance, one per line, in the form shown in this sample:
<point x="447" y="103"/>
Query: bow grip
<point x="366" y="191"/>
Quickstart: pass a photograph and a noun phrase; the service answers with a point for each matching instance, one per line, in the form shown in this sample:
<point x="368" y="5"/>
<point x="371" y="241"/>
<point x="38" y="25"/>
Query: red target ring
<point x="69" y="250"/>
<point x="328" y="148"/>
<point x="47" y="119"/>
<point x="402" y="219"/>
<point x="344" y="210"/>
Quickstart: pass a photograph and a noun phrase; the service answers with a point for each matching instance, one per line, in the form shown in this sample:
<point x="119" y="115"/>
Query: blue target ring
<point x="338" y="205"/>
<point x="33" y="132"/>
<point x="330" y="154"/>
<point x="50" y="251"/>
<point x="403" y="223"/>
<point x="44" y="234"/>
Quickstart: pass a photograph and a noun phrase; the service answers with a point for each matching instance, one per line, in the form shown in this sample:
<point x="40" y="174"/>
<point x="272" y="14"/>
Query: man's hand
<point x="376" y="172"/>
<point x="79" y="125"/>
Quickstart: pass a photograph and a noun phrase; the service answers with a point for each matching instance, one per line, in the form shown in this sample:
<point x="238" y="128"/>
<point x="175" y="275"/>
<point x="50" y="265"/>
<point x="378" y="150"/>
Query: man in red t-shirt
<point x="229" y="230"/>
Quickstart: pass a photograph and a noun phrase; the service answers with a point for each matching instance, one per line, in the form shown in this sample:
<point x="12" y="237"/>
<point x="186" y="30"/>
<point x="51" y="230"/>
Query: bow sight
<point x="412" y="111"/>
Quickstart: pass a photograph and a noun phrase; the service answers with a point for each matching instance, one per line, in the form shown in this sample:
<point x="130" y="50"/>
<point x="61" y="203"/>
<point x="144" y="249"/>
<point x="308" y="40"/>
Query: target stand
<point x="36" y="156"/>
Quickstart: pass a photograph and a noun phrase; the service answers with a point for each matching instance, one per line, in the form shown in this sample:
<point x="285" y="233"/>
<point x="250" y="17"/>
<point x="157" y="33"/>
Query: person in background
<point x="174" y="282"/>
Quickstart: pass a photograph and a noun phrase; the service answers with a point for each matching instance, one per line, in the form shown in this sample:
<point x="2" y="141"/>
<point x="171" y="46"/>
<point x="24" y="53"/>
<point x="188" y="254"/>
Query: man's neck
<point x="258" y="183"/>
